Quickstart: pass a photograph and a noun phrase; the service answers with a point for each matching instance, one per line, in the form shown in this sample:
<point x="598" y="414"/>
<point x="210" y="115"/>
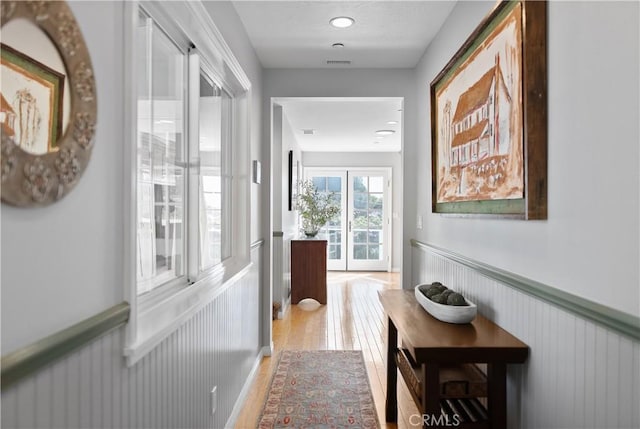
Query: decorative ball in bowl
<point x="445" y="304"/>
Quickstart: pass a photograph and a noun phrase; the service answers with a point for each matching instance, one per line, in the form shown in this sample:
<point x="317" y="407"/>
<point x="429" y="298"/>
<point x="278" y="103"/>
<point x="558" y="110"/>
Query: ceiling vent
<point x="308" y="132"/>
<point x="338" y="62"/>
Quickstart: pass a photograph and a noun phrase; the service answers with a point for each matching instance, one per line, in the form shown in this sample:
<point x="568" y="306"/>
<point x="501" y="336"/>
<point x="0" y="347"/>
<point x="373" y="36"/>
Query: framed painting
<point x="489" y="119"/>
<point x="31" y="102"/>
<point x="292" y="180"/>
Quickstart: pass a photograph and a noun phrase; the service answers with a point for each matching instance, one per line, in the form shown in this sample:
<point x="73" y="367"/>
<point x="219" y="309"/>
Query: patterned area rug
<point x="320" y="389"/>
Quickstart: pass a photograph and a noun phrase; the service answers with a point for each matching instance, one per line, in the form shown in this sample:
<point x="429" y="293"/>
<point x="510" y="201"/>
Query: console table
<point x="309" y="270"/>
<point x="431" y="346"/>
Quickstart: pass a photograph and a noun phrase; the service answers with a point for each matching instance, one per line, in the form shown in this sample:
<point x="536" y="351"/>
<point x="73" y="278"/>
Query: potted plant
<point x="316" y="208"/>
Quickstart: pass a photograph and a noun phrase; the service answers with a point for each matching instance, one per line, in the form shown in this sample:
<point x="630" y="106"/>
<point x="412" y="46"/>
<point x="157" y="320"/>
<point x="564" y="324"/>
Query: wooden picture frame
<point x="32" y="95"/>
<point x="489" y="118"/>
<point x="291" y="180"/>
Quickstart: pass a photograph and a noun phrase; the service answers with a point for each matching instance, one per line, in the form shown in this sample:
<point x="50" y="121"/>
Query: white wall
<point x="285" y="222"/>
<point x="371" y="159"/>
<point x="589" y="246"/>
<point x="62" y="263"/>
<point x="289" y="143"/>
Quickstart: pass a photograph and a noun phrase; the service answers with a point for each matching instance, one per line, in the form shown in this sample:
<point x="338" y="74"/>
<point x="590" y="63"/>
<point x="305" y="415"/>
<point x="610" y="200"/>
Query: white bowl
<point x="447" y="313"/>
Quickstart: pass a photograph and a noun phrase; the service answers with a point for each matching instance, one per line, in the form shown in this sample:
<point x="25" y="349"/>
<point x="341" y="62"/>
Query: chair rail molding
<point x="29" y="359"/>
<point x="618" y="321"/>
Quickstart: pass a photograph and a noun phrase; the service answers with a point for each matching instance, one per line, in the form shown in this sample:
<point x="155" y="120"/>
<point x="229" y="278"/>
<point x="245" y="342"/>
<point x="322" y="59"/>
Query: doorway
<point x="359" y="238"/>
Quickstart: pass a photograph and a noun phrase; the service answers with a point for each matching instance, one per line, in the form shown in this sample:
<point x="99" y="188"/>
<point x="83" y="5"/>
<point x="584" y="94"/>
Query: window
<point x="215" y="173"/>
<point x="161" y="181"/>
<point x="188" y="225"/>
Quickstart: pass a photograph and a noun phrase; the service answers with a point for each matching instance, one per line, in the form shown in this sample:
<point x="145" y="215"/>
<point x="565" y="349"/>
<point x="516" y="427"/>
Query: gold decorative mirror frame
<point x="30" y="180"/>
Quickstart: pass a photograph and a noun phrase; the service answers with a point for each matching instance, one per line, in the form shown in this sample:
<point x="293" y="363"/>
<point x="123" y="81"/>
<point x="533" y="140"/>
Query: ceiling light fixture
<point x="385" y="132"/>
<point x="342" y="21"/>
<point x="392" y="123"/>
<point x="338" y="45"/>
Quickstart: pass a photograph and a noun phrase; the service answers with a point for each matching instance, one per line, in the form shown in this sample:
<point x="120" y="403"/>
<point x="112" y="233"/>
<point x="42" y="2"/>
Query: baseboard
<point x="285" y="308"/>
<point x="395" y="269"/>
<point x="268" y="350"/>
<point x="242" y="397"/>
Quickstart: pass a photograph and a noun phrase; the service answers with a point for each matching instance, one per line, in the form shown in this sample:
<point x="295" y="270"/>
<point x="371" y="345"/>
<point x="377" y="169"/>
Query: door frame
<point x="387" y="226"/>
<point x="388" y="207"/>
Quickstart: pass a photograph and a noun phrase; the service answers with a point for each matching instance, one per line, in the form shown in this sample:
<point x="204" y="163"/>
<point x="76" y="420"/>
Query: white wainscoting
<point x="277" y="271"/>
<point x="169" y="388"/>
<point x="282" y="270"/>
<point x="579" y="374"/>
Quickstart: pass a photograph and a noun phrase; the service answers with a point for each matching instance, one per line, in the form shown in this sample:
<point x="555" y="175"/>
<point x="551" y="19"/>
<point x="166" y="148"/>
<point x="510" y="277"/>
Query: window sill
<point x="159" y="318"/>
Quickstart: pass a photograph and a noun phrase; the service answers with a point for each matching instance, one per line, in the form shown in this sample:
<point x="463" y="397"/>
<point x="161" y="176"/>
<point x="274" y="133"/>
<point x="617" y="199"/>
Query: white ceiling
<point x="297" y="34"/>
<point x="344" y="124"/>
<point x="386" y="34"/>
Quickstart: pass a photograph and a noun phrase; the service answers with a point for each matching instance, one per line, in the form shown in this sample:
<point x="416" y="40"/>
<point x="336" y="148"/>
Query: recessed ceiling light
<point x="392" y="123"/>
<point x="385" y="132"/>
<point x="338" y="45"/>
<point x="342" y="21"/>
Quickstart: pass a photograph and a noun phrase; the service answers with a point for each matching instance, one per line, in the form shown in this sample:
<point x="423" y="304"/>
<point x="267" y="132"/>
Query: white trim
<point x="268" y="350"/>
<point x="192" y="19"/>
<point x="285" y="308"/>
<point x="246" y="388"/>
<point x="130" y="168"/>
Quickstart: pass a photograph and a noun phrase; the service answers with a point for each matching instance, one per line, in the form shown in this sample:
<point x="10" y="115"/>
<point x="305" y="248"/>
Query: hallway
<point x="352" y="320"/>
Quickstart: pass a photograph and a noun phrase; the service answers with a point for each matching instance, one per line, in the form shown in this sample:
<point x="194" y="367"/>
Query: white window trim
<point x="155" y="316"/>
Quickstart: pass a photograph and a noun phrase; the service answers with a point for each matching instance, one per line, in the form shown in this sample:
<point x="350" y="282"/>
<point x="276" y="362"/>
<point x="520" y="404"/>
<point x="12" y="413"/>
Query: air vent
<point x="308" y="132"/>
<point x="338" y="62"/>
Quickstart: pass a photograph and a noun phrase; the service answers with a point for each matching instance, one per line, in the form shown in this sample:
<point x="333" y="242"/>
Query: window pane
<point x="360" y="183"/>
<point x="359" y="200"/>
<point x="360" y="219"/>
<point x="375" y="201"/>
<point x="360" y="236"/>
<point x="375" y="219"/>
<point x="376" y="183"/>
<point x="359" y="251"/>
<point x="375" y="253"/>
<point x="213" y="146"/>
<point x="320" y="183"/>
<point x="161" y="153"/>
<point x="334" y="184"/>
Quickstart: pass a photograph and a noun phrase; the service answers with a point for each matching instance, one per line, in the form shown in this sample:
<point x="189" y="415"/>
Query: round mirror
<point x="48" y="111"/>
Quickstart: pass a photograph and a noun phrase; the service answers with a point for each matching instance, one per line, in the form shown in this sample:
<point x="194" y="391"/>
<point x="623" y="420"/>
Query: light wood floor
<point x="352" y="320"/>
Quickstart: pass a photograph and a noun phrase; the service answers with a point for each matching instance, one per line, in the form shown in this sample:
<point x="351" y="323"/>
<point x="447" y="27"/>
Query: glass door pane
<point x="368" y="221"/>
<point x="333" y="231"/>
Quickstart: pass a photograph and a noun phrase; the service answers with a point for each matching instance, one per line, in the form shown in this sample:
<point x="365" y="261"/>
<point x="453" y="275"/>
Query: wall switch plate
<point x="419" y="222"/>
<point x="214" y="399"/>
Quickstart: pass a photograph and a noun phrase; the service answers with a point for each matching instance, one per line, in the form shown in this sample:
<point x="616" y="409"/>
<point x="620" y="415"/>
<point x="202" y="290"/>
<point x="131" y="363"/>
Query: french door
<point x="359" y="238"/>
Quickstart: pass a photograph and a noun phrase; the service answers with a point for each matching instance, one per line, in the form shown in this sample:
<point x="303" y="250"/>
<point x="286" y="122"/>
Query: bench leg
<point x="391" y="410"/>
<point x="497" y="384"/>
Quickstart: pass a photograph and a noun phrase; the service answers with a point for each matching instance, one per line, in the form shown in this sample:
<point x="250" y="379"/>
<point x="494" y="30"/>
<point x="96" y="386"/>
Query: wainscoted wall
<point x="168" y="388"/>
<point x="286" y="270"/>
<point x="282" y="270"/>
<point x="278" y="268"/>
<point x="579" y="374"/>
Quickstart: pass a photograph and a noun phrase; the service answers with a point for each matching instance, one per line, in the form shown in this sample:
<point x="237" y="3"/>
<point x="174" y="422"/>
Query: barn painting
<point x="479" y="117"/>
